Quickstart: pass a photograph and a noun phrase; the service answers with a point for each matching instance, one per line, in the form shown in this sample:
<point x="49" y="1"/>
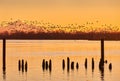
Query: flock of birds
<point x="39" y="27"/>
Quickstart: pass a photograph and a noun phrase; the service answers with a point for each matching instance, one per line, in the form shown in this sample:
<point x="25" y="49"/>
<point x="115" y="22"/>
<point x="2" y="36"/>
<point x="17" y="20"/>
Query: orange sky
<point x="62" y="11"/>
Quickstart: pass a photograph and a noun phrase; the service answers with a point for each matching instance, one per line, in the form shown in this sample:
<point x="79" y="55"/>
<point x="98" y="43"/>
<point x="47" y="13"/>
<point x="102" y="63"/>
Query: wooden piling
<point x="93" y="64"/>
<point x="46" y="65"/>
<point x="22" y="65"/>
<point x="19" y="65"/>
<point x="26" y="66"/>
<point x="101" y="63"/>
<point x="50" y="65"/>
<point x="43" y="64"/>
<point x="102" y="50"/>
<point x="110" y="66"/>
<point x="77" y="65"/>
<point x="4" y="54"/>
<point x="68" y="63"/>
<point x="86" y="63"/>
<point x="63" y="64"/>
<point x="72" y="65"/>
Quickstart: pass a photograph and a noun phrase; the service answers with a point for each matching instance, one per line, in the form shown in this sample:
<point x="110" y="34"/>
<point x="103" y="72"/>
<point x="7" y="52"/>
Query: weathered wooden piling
<point x="63" y="64"/>
<point x="4" y="54"/>
<point x="46" y="65"/>
<point x="26" y="66"/>
<point x="110" y="66"/>
<point x="72" y="65"/>
<point x="19" y="65"/>
<point x="101" y="63"/>
<point x="50" y="65"/>
<point x="77" y="65"/>
<point x="86" y="63"/>
<point x="22" y="65"/>
<point x="102" y="49"/>
<point x="68" y="63"/>
<point x="93" y="63"/>
<point x="43" y="64"/>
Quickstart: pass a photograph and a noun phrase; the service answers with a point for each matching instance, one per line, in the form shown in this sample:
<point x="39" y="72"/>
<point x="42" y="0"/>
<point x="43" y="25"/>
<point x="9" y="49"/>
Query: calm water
<point x="35" y="51"/>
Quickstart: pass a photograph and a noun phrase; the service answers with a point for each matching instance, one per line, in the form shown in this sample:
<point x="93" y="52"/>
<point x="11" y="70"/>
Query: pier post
<point x="4" y="54"/>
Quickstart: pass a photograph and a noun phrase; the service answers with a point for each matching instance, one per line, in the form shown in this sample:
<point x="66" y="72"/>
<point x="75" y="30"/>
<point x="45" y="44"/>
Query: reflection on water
<point x="102" y="73"/>
<point x="4" y="74"/>
<point x="48" y="61"/>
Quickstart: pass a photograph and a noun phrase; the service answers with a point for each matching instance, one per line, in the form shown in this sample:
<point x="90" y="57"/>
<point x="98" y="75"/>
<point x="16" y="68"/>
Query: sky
<point x="62" y="11"/>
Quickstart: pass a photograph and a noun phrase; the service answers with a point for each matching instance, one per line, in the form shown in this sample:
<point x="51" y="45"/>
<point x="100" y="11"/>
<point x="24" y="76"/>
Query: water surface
<point x="34" y="51"/>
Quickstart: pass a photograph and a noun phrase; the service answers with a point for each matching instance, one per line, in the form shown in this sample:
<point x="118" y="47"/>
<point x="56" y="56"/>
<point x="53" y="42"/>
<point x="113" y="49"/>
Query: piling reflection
<point x="102" y="73"/>
<point x="4" y="74"/>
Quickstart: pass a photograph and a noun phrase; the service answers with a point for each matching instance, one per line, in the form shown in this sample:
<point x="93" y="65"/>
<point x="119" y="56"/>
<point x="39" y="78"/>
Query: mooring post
<point x="4" y="54"/>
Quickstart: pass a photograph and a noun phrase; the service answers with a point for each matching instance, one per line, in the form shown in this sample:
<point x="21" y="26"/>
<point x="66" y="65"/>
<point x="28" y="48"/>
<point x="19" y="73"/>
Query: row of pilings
<point x="72" y="64"/>
<point x="47" y="65"/>
<point x="22" y="65"/>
